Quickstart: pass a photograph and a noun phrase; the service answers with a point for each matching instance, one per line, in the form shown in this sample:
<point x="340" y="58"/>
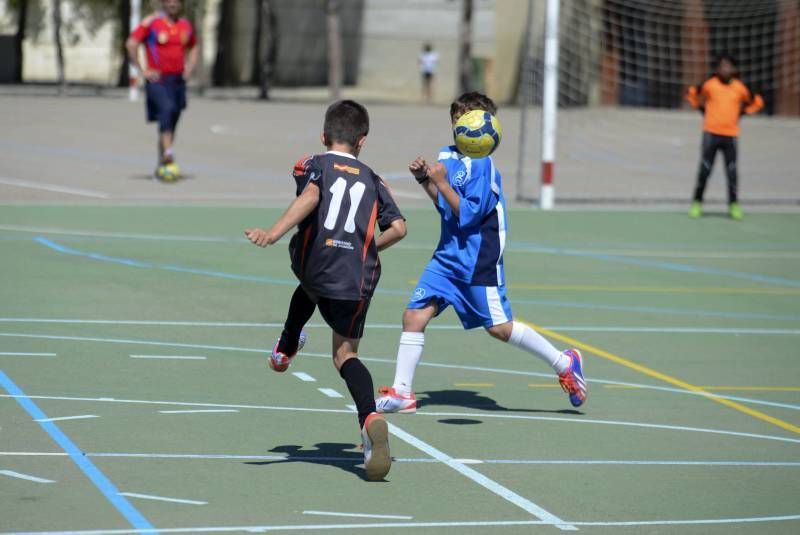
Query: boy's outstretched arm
<point x="392" y="235"/>
<point x="301" y="207"/>
<point x="419" y="168"/>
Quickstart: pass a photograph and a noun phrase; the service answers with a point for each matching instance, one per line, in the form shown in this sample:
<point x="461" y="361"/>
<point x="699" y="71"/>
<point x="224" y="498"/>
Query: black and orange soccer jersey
<point x="723" y="103"/>
<point x="333" y="252"/>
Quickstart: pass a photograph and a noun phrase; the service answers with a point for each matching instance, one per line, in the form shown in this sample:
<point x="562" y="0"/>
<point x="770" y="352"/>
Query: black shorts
<point x="166" y="99"/>
<point x="346" y="318"/>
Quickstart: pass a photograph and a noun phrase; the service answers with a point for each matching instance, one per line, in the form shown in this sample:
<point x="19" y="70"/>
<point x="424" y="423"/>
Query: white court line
<point x="125" y="235"/>
<point x="161" y="498"/>
<point x="53" y="187"/>
<point x="512" y="248"/>
<point x="60" y="418"/>
<point x="417" y="460"/>
<point x="304" y="377"/>
<point x="439" y="327"/>
<point x="27" y="477"/>
<point x="386" y="525"/>
<point x="198" y="411"/>
<point x="168" y="357"/>
<point x="357" y="515"/>
<point x="433" y="414"/>
<point x="330" y="392"/>
<point x="489" y="484"/>
<point x="17" y="354"/>
<point x="387" y="361"/>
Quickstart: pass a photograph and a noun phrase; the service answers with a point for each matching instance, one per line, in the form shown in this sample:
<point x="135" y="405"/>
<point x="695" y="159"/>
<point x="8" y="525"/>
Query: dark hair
<point x="724" y="56"/>
<point x="345" y="122"/>
<point x="427" y="47"/>
<point x="471" y="101"/>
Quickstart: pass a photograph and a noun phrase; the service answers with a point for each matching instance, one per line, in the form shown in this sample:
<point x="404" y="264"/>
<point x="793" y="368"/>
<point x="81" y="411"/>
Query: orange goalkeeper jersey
<point x="723" y="103"/>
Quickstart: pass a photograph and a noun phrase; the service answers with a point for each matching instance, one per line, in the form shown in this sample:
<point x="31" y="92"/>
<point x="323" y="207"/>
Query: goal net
<point x="624" y="67"/>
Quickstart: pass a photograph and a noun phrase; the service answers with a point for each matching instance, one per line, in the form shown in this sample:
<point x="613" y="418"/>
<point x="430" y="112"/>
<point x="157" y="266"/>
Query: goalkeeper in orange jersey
<point x="723" y="98"/>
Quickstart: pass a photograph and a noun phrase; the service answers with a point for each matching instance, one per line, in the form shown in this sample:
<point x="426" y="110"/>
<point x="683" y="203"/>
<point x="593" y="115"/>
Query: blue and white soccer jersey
<point x="466" y="270"/>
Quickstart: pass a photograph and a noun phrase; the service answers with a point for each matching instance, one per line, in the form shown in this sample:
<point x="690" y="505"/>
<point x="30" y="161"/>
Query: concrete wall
<point x="394" y="33"/>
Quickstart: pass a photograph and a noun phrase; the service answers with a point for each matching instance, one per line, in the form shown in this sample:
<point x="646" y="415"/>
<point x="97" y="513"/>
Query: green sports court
<point x="136" y="396"/>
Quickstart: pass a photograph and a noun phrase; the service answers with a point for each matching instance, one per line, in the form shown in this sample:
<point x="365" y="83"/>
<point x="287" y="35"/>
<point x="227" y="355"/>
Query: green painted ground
<point x="669" y="303"/>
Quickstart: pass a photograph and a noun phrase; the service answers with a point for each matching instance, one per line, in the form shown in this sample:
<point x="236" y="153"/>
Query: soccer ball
<point x="169" y="172"/>
<point x="477" y="134"/>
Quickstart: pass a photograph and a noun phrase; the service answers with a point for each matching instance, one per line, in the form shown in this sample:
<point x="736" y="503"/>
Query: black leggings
<point x="711" y="144"/>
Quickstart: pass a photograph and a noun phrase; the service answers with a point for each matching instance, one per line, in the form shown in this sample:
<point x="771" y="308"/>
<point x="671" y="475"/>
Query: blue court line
<point x="288" y="282"/>
<point x="669" y="266"/>
<point x="103" y="484"/>
<point x="179" y="269"/>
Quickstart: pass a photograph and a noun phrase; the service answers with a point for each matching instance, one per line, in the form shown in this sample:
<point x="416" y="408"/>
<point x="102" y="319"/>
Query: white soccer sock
<point x="526" y="338"/>
<point x="408" y="355"/>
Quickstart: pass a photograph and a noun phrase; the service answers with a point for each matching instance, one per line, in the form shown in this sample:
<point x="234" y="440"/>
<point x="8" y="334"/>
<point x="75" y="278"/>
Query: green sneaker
<point x="736" y="211"/>
<point x="696" y="210"/>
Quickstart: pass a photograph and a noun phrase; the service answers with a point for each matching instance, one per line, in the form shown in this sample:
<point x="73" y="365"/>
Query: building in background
<point x="612" y="52"/>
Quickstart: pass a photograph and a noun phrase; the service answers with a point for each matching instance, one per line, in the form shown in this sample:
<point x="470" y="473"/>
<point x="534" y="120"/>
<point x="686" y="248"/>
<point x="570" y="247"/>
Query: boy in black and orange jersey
<point x="722" y="99"/>
<point x="334" y="254"/>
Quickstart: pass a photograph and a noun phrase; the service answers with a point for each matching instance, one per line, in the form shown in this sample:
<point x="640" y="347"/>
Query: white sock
<point x="526" y="338"/>
<point x="408" y="355"/>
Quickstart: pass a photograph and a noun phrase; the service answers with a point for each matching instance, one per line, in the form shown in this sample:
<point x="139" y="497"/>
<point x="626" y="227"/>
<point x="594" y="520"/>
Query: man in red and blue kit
<point x="167" y="38"/>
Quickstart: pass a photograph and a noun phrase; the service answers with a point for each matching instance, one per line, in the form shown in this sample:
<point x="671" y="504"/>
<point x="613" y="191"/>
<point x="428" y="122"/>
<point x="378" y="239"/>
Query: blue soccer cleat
<point x="572" y="381"/>
<point x="280" y="361"/>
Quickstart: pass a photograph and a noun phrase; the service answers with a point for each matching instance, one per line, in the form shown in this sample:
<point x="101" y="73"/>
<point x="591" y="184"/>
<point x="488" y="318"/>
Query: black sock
<point x="301" y="308"/>
<point x="359" y="383"/>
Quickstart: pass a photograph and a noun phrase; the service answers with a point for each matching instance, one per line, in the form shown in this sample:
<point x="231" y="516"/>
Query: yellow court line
<point x="666" y="378"/>
<point x="729" y="388"/>
<point x="755" y="388"/>
<point x="474" y="384"/>
<point x="655" y="289"/>
<point x="544" y="385"/>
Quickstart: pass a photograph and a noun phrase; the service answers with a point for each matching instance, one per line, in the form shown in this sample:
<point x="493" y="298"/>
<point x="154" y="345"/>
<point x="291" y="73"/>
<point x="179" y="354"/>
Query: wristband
<point x="422" y="180"/>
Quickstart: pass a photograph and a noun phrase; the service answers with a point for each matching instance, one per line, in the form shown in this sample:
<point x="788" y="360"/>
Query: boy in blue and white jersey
<point x="466" y="270"/>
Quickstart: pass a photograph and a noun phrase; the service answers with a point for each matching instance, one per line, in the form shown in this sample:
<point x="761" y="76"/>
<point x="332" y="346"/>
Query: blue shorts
<point x="165" y="101"/>
<point x="476" y="306"/>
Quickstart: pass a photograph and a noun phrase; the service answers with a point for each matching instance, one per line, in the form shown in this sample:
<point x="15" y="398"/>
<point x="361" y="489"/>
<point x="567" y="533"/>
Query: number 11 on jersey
<point x="356" y="193"/>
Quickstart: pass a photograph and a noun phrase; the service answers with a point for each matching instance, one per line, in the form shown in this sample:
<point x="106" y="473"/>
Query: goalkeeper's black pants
<point x="711" y="144"/>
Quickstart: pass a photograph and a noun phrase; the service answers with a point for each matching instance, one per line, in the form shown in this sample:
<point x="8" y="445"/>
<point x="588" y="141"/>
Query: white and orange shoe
<point x="390" y="400"/>
<point x="280" y="361"/>
<point x="375" y="438"/>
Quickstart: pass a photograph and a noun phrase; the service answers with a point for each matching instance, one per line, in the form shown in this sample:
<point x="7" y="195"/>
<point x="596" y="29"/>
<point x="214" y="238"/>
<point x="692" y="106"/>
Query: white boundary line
<point x="61" y="418"/>
<point x="168" y="357"/>
<point x="487" y="483"/>
<point x="161" y="498"/>
<point x="543" y="249"/>
<point x="53" y="188"/>
<point x="304" y="377"/>
<point x="575" y="420"/>
<point x="385" y="361"/>
<point x="330" y="392"/>
<point x="27" y="477"/>
<point x="18" y="354"/>
<point x="357" y="515"/>
<point x="385" y="525"/>
<point x="392" y="326"/>
<point x="195" y="411"/>
<point x="416" y="460"/>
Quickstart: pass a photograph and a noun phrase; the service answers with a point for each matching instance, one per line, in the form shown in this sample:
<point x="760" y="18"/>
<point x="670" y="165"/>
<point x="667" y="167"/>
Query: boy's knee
<point x="501" y="332"/>
<point x="415" y="320"/>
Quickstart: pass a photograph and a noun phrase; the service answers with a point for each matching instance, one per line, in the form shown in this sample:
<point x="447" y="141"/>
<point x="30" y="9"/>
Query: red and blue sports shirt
<point x="165" y="42"/>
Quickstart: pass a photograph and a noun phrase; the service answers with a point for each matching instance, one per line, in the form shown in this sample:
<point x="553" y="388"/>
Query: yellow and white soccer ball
<point x="477" y="134"/>
<point x="169" y="172"/>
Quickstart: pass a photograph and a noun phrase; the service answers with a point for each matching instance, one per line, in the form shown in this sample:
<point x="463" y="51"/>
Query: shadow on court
<point x="473" y="400"/>
<point x="329" y="453"/>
